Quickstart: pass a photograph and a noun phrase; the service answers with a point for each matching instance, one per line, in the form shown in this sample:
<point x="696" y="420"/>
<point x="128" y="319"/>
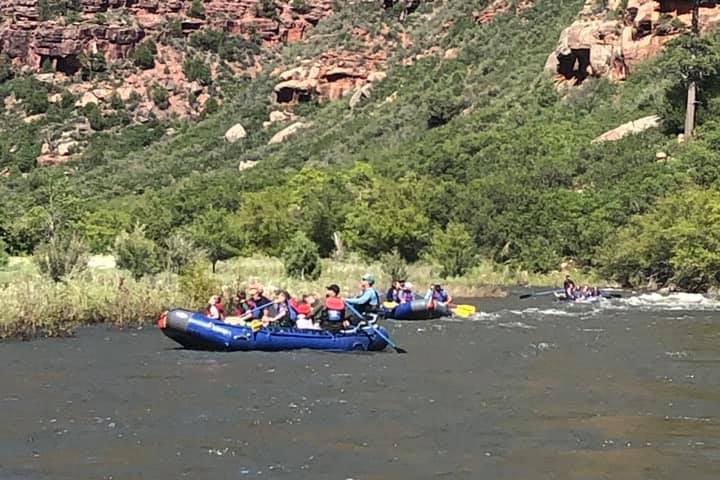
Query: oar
<point x="390" y="305"/>
<point x="528" y="295"/>
<point x="376" y="330"/>
<point x="464" y="310"/>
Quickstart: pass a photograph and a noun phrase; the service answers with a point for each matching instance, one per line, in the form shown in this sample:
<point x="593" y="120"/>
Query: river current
<point x="528" y="389"/>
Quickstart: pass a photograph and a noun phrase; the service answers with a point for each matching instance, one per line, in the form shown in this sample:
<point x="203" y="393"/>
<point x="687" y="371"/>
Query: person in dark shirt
<point x="569" y="287"/>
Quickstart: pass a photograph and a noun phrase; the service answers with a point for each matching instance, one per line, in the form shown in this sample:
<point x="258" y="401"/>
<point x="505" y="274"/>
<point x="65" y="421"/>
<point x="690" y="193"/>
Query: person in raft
<point x="304" y="312"/>
<point x="437" y="294"/>
<point x="215" y="308"/>
<point x="368" y="301"/>
<point x="333" y="312"/>
<point x="282" y="313"/>
<point x="393" y="293"/>
<point x="406" y="293"/>
<point x="569" y="287"/>
<point x="258" y="301"/>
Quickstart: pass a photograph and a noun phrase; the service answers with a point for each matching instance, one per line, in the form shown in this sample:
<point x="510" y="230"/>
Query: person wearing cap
<point x="332" y="315"/>
<point x="437" y="294"/>
<point x="369" y="300"/>
<point x="406" y="293"/>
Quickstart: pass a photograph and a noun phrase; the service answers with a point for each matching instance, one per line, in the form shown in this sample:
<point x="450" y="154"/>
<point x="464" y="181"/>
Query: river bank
<point x="35" y="306"/>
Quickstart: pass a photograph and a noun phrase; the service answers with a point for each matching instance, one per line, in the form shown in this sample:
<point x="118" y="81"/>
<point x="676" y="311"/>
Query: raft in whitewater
<point x="417" y="310"/>
<point x="194" y="330"/>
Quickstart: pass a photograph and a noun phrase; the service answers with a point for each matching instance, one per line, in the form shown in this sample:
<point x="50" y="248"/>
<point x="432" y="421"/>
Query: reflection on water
<point x="623" y="389"/>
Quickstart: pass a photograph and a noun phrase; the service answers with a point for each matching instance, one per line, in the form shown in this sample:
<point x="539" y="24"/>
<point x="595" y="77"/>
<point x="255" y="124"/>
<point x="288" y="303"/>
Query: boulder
<point x="235" y="133"/>
<point x="636" y="126"/>
<point x="245" y="164"/>
<point x="67" y="147"/>
<point x="283" y="134"/>
<point x="360" y="94"/>
<point x="86" y="99"/>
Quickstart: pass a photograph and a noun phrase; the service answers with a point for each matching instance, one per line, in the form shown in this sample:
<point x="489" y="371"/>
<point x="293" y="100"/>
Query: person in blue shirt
<point x="437" y="294"/>
<point x="369" y="300"/>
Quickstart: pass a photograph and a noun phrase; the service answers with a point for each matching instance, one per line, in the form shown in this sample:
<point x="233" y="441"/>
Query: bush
<point x="266" y="9"/>
<point x="144" y="55"/>
<point x="136" y="253"/>
<point x="196" y="69"/>
<point x="196" y="9"/>
<point x="453" y="250"/>
<point x="4" y="256"/>
<point x="94" y="116"/>
<point x="61" y="257"/>
<point x="677" y="241"/>
<point x="393" y="265"/>
<point x="180" y="252"/>
<point x="217" y="234"/>
<point x="301" y="258"/>
<point x="6" y="72"/>
<point x="160" y="97"/>
<point x="197" y="285"/>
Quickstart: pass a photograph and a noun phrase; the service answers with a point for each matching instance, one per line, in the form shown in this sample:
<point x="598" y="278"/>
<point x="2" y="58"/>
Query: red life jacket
<point x="335" y="308"/>
<point x="300" y="308"/>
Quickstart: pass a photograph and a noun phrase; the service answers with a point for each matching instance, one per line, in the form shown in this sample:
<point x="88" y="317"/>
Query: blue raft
<point x="195" y="331"/>
<point x="417" y="310"/>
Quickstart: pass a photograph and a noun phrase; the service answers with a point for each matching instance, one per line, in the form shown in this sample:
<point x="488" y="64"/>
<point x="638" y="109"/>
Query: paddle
<point x="464" y="310"/>
<point x="376" y="330"/>
<point x="390" y="305"/>
<point x="547" y="292"/>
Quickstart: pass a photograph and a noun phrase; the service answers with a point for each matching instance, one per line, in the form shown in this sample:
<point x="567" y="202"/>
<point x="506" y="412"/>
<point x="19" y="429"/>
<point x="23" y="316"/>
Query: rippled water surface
<point x="531" y="389"/>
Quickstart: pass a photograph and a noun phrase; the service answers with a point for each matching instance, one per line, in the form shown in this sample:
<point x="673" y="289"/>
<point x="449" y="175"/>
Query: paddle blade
<point x="467" y="308"/>
<point x="525" y="295"/>
<point x="256" y="325"/>
<point x="400" y="350"/>
<point x="389" y="305"/>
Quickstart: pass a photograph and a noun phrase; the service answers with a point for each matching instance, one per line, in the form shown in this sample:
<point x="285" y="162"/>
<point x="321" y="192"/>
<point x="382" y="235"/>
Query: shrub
<point x="180" y="252"/>
<point x="196" y="69"/>
<point x="116" y="102"/>
<point x="453" y="250"/>
<point x="300" y="6"/>
<point x="676" y="241"/>
<point x="160" y="97"/>
<point x="196" y="9"/>
<point x="94" y="116"/>
<point x="217" y="235"/>
<point x="144" y="55"/>
<point x="136" y="253"/>
<point x="301" y="258"/>
<point x="266" y="9"/>
<point x="4" y="256"/>
<point x="6" y="72"/>
<point x="62" y="256"/>
<point x="393" y="265"/>
<point x="197" y="285"/>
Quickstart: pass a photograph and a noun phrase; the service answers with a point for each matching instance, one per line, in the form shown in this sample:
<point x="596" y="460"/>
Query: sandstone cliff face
<point x="29" y="39"/>
<point x="598" y="46"/>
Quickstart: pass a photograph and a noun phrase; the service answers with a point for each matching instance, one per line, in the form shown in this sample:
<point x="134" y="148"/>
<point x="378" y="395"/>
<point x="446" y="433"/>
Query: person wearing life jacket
<point x="282" y="313"/>
<point x="215" y="308"/>
<point x="241" y="304"/>
<point x="437" y="295"/>
<point x="333" y="312"/>
<point x="368" y="301"/>
<point x="406" y="294"/>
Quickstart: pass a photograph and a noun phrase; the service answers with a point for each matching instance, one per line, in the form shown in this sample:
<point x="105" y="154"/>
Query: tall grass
<point x="35" y="306"/>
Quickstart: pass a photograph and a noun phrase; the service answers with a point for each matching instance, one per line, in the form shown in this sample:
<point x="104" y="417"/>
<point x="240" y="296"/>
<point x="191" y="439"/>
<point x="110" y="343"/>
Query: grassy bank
<point x="34" y="306"/>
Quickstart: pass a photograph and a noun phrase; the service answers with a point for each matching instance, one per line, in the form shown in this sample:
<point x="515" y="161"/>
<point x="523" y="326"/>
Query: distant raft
<point x="194" y="330"/>
<point x="562" y="297"/>
<point x="417" y="310"/>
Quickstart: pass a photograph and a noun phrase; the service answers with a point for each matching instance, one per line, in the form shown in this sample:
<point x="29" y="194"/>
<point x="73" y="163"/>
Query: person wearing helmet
<point x="368" y="300"/>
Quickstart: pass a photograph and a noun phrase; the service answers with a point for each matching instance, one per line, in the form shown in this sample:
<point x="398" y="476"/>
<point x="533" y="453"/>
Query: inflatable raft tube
<point x="417" y="310"/>
<point x="195" y="331"/>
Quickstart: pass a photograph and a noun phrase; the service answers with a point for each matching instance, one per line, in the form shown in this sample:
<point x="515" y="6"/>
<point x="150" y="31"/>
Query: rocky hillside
<point x="386" y="124"/>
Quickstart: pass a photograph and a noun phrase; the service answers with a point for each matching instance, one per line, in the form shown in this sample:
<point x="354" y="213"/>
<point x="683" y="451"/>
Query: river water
<point x="531" y="389"/>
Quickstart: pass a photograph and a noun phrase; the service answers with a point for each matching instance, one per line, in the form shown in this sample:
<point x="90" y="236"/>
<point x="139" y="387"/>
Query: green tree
<point x="136" y="253"/>
<point x="6" y="72"/>
<point x="393" y="265"/>
<point x="453" y="249"/>
<point x="301" y="258"/>
<point x="4" y="256"/>
<point x="678" y="241"/>
<point x="217" y="233"/>
<point x="63" y="255"/>
<point x="196" y="9"/>
<point x="195" y="69"/>
<point x="160" y="96"/>
<point x="144" y="55"/>
<point x="180" y="252"/>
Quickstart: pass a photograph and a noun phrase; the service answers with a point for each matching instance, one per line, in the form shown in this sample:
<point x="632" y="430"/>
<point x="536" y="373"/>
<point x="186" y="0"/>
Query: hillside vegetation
<point x="478" y="141"/>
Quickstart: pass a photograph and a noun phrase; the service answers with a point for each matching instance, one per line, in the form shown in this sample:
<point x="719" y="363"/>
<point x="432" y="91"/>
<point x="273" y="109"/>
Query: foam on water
<point x="673" y="301"/>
